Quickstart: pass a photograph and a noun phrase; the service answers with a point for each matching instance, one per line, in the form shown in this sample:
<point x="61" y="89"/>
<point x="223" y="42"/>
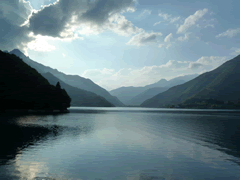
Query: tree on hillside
<point x="58" y="85"/>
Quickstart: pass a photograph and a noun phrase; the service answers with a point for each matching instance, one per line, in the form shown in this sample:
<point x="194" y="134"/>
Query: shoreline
<point x="30" y="111"/>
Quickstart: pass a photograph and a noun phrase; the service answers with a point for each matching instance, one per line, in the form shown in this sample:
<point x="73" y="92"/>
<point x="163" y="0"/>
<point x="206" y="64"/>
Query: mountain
<point x="22" y="87"/>
<point x="160" y="83"/>
<point x="222" y="84"/>
<point x="185" y="78"/>
<point x="172" y="82"/>
<point x="149" y="93"/>
<point x="128" y="94"/>
<point x="73" y="80"/>
<point x="79" y="97"/>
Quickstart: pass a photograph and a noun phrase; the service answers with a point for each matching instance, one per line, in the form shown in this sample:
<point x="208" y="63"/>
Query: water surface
<point x="122" y="143"/>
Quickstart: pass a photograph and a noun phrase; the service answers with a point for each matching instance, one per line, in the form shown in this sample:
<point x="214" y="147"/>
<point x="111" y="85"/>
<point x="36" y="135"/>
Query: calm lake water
<point x="121" y="144"/>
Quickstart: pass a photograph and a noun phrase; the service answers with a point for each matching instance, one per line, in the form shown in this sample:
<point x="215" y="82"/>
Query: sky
<point x="123" y="42"/>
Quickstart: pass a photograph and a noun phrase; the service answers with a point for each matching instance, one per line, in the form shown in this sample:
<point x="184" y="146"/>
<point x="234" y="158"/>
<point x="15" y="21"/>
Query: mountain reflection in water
<point x="121" y="143"/>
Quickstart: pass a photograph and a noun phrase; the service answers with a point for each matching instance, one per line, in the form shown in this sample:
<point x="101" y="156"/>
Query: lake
<point x="121" y="144"/>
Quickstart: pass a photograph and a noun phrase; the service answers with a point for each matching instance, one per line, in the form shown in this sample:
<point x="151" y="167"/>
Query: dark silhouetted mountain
<point x="22" y="87"/>
<point x="149" y="93"/>
<point x="73" y="80"/>
<point x="79" y="97"/>
<point x="129" y="95"/>
<point x="223" y="84"/>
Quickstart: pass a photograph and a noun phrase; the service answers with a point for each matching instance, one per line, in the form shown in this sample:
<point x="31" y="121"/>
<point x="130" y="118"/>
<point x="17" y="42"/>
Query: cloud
<point x="229" y="33"/>
<point x="172" y="20"/>
<point x="120" y="25"/>
<point x="167" y="41"/>
<point x="157" y="23"/>
<point x="168" y="46"/>
<point x="144" y="38"/>
<point x="56" y="19"/>
<point x="191" y="20"/>
<point x="63" y="20"/>
<point x="208" y="23"/>
<point x="195" y="65"/>
<point x="40" y="44"/>
<point x="184" y="38"/>
<point x="208" y="62"/>
<point x="98" y="73"/>
<point x="168" y="38"/>
<point x="236" y="51"/>
<point x="161" y="45"/>
<point x="151" y="74"/>
<point x="117" y="23"/>
<point x="146" y="12"/>
<point x="165" y="16"/>
<point x="13" y="13"/>
<point x="168" y="17"/>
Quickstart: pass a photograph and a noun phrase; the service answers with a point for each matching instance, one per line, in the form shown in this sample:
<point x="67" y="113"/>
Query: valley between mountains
<point x="218" y="88"/>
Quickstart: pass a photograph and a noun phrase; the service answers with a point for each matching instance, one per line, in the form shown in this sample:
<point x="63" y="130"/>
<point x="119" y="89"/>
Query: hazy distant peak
<point x="17" y="52"/>
<point x="185" y="77"/>
<point x="48" y="73"/>
<point x="162" y="80"/>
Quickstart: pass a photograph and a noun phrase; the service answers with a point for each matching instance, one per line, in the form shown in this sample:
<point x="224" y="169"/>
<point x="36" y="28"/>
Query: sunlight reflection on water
<point x="106" y="144"/>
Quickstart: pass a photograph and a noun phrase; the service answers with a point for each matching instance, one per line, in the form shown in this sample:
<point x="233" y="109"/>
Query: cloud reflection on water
<point x="127" y="144"/>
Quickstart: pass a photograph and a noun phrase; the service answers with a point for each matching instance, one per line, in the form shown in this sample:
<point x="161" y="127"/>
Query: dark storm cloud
<point x="13" y="13"/>
<point x="54" y="19"/>
<point x="12" y="36"/>
<point x="102" y="9"/>
<point x="15" y="10"/>
<point x="18" y="20"/>
<point x="49" y="21"/>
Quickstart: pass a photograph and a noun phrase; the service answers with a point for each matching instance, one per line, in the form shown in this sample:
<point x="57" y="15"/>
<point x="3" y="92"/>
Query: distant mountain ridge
<point x="73" y="80"/>
<point x="79" y="97"/>
<point x="149" y="93"/>
<point x="131" y="95"/>
<point x="223" y="83"/>
<point x="125" y="94"/>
